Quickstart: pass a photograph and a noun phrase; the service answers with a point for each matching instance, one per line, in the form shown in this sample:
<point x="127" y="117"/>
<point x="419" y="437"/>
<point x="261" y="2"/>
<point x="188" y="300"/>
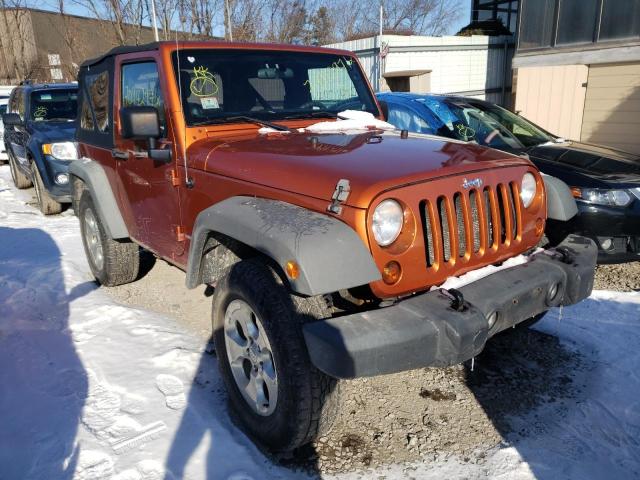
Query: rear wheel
<point x="112" y="262"/>
<point x="20" y="180"/>
<point x="277" y="395"/>
<point x="46" y="204"/>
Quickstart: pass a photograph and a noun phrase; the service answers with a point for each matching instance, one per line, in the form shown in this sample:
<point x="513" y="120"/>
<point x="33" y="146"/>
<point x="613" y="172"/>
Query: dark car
<point x="605" y="182"/>
<point x="39" y="131"/>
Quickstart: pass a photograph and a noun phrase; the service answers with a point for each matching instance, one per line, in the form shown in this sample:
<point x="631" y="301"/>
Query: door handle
<point x="119" y="154"/>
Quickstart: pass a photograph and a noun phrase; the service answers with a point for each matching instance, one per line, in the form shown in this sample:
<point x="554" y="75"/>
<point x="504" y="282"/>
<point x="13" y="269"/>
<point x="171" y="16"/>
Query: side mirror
<point x="11" y="119"/>
<point x="384" y="107"/>
<point x="143" y="123"/>
<point x="139" y="123"/>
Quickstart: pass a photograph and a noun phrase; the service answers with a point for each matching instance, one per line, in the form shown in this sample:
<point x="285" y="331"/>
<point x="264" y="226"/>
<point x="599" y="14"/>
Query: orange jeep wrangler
<point x="324" y="245"/>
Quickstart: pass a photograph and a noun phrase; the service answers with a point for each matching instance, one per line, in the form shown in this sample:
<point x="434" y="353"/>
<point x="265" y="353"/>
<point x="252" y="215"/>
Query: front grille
<point x="469" y="223"/>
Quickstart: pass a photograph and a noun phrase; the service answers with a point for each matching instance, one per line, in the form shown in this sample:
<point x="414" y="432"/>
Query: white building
<point x="477" y="66"/>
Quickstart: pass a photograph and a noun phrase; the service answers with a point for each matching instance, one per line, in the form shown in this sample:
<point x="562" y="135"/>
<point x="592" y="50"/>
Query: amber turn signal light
<point x="292" y="269"/>
<point x="391" y="273"/>
<point x="576" y="192"/>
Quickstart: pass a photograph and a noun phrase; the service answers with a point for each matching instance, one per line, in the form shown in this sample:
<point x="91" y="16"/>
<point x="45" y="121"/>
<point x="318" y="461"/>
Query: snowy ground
<point x="91" y="389"/>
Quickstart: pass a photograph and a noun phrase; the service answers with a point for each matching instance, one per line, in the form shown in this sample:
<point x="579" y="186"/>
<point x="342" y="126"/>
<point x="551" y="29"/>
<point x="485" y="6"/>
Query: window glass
<point x="141" y="87"/>
<point x="97" y="89"/>
<point x="577" y="21"/>
<point x="269" y="85"/>
<point x="406" y="119"/>
<point x="3" y="109"/>
<point x="537" y="25"/>
<point x="270" y="90"/>
<point x="620" y="19"/>
<point x="54" y="105"/>
<point x="463" y="121"/>
<point x="16" y="103"/>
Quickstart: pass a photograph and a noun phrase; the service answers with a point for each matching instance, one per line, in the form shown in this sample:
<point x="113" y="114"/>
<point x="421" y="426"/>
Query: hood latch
<point x="340" y="195"/>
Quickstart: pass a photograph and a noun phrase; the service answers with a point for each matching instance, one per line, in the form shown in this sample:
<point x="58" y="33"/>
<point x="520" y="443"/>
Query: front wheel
<point x="46" y="204"/>
<point x="112" y="262"/>
<point x="20" y="180"/>
<point x="277" y="395"/>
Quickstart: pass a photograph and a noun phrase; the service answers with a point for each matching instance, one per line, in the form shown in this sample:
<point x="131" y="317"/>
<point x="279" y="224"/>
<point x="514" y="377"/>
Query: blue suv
<point x="39" y="132"/>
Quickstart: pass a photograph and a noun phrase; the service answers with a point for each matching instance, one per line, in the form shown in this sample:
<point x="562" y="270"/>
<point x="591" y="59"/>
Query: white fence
<point x="478" y="66"/>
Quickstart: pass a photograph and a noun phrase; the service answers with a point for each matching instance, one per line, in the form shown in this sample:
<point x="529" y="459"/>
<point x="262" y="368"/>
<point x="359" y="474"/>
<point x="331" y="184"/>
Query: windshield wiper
<point x="244" y="118"/>
<point x="264" y="123"/>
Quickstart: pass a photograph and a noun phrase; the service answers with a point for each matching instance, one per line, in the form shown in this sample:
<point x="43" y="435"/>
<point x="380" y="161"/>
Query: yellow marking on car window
<point x="203" y="84"/>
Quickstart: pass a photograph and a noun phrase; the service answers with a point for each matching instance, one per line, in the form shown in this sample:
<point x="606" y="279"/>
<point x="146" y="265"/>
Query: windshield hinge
<point x="340" y="195"/>
<point x="180" y="236"/>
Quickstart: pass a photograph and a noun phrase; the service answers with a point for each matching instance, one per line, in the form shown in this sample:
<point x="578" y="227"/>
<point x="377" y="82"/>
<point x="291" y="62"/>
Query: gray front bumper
<point x="431" y="329"/>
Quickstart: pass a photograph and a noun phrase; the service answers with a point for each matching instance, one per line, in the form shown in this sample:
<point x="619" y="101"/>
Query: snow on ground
<point x="90" y="389"/>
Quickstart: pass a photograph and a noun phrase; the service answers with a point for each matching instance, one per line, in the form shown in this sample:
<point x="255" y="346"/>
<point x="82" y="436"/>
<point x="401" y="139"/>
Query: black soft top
<point x="121" y="50"/>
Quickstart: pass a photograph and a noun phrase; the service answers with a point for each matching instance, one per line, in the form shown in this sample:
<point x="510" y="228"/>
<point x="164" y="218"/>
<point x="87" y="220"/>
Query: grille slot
<point x="475" y="220"/>
<point x="494" y="211"/>
<point x="444" y="228"/>
<point x="462" y="238"/>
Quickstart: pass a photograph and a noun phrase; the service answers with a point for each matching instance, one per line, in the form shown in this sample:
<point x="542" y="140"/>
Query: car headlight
<point x="528" y="189"/>
<point x="388" y="218"/>
<point x="61" y="151"/>
<point x="600" y="196"/>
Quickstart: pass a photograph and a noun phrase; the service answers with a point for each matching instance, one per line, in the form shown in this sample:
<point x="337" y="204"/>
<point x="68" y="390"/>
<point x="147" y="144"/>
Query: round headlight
<point x="528" y="189"/>
<point x="388" y="218"/>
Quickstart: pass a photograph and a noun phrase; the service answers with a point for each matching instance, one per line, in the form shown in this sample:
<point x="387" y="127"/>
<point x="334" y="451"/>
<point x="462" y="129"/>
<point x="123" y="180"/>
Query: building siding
<point x="612" y="106"/>
<point x="553" y="97"/>
<point x="478" y="66"/>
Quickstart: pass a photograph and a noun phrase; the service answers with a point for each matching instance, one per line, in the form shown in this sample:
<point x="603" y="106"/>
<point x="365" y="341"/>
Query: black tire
<point x="46" y="204"/>
<point x="20" y="180"/>
<point x="120" y="259"/>
<point x="307" y="400"/>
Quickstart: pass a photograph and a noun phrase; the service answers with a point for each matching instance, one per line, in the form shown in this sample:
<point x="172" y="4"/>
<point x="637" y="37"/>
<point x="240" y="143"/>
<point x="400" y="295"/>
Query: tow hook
<point x="566" y="255"/>
<point x="456" y="297"/>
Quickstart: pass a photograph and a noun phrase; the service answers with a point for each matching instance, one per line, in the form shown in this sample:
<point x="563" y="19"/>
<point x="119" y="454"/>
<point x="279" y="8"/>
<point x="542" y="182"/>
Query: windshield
<point x="54" y="105"/>
<point x="526" y="132"/>
<point x="268" y="85"/>
<point x="463" y="121"/>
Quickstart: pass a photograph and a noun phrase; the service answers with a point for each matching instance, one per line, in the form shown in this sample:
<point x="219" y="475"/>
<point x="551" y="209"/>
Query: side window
<point x="16" y="104"/>
<point x="141" y="87"/>
<point x="96" y="98"/>
<point x="406" y="119"/>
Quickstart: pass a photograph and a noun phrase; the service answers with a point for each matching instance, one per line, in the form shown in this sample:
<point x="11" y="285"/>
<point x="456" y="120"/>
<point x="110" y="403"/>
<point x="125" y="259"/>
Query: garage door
<point x="612" y="106"/>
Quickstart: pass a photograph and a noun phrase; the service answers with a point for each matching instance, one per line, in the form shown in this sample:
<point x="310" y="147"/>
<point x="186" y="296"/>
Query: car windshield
<point x="526" y="132"/>
<point x="268" y="85"/>
<point x="463" y="121"/>
<point x="54" y="105"/>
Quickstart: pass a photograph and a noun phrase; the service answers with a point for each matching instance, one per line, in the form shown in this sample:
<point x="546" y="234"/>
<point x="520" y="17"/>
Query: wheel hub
<point x="250" y="358"/>
<point x="92" y="238"/>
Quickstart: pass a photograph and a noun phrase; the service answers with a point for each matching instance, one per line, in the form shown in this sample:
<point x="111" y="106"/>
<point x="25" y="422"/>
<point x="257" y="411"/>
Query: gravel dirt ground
<point x="429" y="413"/>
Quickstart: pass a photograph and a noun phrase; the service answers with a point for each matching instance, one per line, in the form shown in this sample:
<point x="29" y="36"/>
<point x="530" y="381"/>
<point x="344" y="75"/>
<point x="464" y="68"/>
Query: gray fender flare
<point x="92" y="174"/>
<point x="560" y="203"/>
<point x="329" y="253"/>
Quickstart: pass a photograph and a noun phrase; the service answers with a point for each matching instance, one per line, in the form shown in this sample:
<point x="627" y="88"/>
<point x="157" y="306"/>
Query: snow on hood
<point x="349" y="121"/>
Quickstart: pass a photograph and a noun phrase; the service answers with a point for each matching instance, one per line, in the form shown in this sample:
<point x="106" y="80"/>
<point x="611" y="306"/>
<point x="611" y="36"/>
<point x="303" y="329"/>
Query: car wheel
<point x="46" y="204"/>
<point x="20" y="180"/>
<point x="276" y="394"/>
<point x="112" y="262"/>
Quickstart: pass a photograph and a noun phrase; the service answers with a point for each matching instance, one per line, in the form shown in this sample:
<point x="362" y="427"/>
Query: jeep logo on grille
<point x="475" y="182"/>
